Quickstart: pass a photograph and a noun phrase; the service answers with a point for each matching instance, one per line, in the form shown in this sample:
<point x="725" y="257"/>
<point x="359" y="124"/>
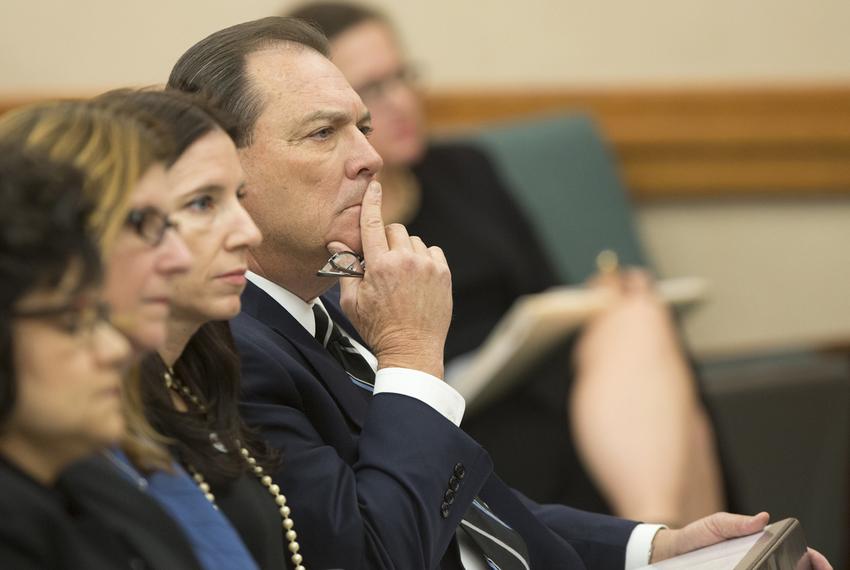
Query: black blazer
<point x="65" y="527"/>
<point x="366" y="475"/>
<point x="110" y="507"/>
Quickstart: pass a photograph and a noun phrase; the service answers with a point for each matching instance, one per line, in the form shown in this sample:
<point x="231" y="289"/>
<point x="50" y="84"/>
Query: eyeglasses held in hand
<point x="149" y="224"/>
<point x="343" y="264"/>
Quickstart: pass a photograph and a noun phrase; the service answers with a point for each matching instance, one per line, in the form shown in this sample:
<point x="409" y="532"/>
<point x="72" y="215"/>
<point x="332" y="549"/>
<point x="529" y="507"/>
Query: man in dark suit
<point x="375" y="467"/>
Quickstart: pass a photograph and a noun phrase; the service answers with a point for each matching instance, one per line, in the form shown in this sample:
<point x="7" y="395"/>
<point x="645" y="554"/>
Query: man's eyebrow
<point x="334" y="117"/>
<point x="365" y="118"/>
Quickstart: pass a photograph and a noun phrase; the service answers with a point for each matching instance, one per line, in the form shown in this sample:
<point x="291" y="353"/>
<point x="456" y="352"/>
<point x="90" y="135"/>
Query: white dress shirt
<point x="435" y="393"/>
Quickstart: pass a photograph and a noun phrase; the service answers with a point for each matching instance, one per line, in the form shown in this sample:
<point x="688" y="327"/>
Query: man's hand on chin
<point x="713" y="529"/>
<point x="403" y="305"/>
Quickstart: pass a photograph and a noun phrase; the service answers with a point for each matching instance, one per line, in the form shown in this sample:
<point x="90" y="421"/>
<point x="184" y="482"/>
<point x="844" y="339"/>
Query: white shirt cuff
<point x="639" y="546"/>
<point x="428" y="389"/>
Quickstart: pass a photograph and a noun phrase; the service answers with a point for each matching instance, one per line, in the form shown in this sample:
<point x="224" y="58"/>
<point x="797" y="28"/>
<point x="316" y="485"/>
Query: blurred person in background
<point x="62" y="367"/>
<point x="622" y="398"/>
<point x="122" y="159"/>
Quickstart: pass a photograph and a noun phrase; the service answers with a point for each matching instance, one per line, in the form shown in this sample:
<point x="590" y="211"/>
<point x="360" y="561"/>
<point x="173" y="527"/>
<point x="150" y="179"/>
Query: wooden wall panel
<point x="680" y="143"/>
<point x="677" y="143"/>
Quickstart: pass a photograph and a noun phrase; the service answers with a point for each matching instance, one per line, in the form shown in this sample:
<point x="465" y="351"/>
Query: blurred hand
<point x="403" y="305"/>
<point x="622" y="327"/>
<point x="704" y="532"/>
<point x="817" y="561"/>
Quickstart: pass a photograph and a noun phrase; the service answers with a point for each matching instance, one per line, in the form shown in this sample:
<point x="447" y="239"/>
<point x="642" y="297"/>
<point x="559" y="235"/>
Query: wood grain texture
<point x="678" y="143"/>
<point x="791" y="140"/>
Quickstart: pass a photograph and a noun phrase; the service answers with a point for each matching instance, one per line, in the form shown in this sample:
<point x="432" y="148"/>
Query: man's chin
<point x="349" y="242"/>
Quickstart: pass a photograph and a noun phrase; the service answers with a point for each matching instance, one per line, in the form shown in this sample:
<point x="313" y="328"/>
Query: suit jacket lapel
<point x="353" y="401"/>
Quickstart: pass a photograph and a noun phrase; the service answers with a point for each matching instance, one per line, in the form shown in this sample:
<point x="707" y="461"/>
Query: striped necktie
<point x="502" y="547"/>
<point x="342" y="350"/>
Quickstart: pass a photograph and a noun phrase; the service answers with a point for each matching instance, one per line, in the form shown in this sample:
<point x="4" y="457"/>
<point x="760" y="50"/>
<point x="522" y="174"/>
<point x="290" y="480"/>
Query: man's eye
<point x="322" y="134"/>
<point x="366" y="130"/>
<point x="240" y="194"/>
<point x="201" y="203"/>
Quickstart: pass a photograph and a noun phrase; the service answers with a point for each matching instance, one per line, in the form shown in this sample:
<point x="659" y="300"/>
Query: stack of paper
<point x="533" y="325"/>
<point x="780" y="546"/>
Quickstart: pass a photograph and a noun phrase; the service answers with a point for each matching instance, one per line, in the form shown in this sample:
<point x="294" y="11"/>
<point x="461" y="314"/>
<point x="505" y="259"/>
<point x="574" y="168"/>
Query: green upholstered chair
<point x="565" y="177"/>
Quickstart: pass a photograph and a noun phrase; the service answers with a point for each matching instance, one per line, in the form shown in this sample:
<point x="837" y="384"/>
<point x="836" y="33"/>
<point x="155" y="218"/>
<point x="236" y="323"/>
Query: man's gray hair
<point x="214" y="67"/>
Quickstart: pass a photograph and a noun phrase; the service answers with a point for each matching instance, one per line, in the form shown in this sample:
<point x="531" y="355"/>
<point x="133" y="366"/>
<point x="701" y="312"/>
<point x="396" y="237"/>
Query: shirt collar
<point x="301" y="310"/>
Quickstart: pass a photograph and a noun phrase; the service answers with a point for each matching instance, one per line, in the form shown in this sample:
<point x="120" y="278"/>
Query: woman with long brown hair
<point x="191" y="385"/>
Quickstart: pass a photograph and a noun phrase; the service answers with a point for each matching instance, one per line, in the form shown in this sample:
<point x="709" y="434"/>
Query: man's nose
<point x="364" y="160"/>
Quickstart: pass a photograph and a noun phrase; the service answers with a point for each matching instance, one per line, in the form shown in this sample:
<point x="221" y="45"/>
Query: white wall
<point x="78" y="44"/>
<point x="617" y="41"/>
<point x="81" y="45"/>
<point x="780" y="270"/>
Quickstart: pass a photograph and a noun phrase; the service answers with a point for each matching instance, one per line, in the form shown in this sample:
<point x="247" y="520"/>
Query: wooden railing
<point x="686" y="142"/>
<point x="695" y="142"/>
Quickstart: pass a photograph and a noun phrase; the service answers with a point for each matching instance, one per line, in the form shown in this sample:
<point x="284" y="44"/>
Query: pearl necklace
<point x="173" y="383"/>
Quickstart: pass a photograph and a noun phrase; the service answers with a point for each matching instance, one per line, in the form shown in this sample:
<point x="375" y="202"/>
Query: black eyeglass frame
<point x="102" y="314"/>
<point x="337" y="270"/>
<point x="141" y="220"/>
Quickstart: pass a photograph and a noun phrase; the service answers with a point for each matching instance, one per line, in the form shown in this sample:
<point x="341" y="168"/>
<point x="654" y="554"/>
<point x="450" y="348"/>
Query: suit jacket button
<point x="444" y="510"/>
<point x="449" y="496"/>
<point x="460" y="471"/>
<point x="454" y="483"/>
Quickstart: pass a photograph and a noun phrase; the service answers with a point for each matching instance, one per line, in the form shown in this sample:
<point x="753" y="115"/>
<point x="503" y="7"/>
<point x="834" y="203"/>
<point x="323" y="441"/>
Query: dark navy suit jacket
<point x="366" y="475"/>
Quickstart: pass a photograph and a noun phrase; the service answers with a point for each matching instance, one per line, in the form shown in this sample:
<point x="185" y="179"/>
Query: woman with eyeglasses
<point x="61" y="367"/>
<point x="143" y="232"/>
<point x="123" y="160"/>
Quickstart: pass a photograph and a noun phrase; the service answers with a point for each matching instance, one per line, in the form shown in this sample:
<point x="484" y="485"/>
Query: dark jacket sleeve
<point x="600" y="540"/>
<point x="371" y="501"/>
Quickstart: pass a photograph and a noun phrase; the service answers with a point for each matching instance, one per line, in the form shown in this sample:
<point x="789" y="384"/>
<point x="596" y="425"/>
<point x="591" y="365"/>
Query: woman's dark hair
<point x="43" y="238"/>
<point x="210" y="367"/>
<point x="183" y="117"/>
<point x="334" y="18"/>
<point x="215" y="66"/>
